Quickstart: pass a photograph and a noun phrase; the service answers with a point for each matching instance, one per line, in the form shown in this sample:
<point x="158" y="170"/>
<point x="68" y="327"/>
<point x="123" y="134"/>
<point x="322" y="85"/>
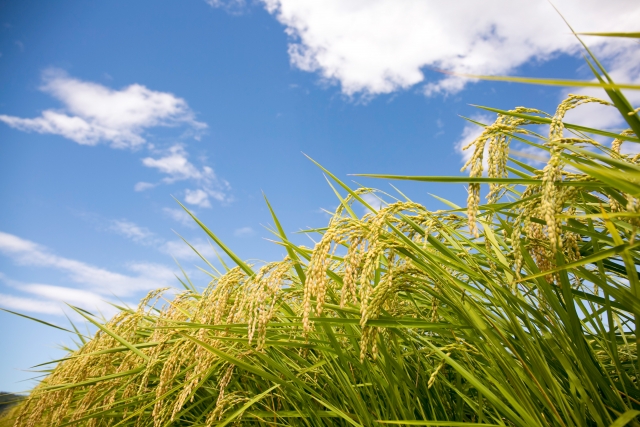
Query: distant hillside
<point x="7" y="400"/>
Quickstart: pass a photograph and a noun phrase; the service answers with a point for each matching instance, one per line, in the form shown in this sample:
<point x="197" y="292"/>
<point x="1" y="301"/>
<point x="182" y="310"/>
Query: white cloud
<point x="174" y="162"/>
<point x="93" y="113"/>
<point x="219" y="195"/>
<point x="233" y="6"/>
<point x="159" y="274"/>
<point x="379" y="46"/>
<point x="123" y="227"/>
<point x="142" y="186"/>
<point x="133" y="231"/>
<point x="197" y="197"/>
<point x="179" y="215"/>
<point x="53" y="299"/>
<point x="60" y="296"/>
<point x="30" y="305"/>
<point x="64" y="294"/>
<point x="147" y="277"/>
<point x="624" y="68"/>
<point x="180" y="250"/>
<point x="244" y="232"/>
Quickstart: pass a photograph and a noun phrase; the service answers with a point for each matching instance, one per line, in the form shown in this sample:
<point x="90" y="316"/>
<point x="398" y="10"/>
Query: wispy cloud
<point x="29" y="305"/>
<point x="93" y="113"/>
<point x="123" y="227"/>
<point x="133" y="231"/>
<point x="232" y="6"/>
<point x="175" y="164"/>
<point x="385" y="45"/>
<point x="142" y="235"/>
<point x="49" y="299"/>
<point x="244" y="232"/>
<point x="142" y="186"/>
<point x="146" y="275"/>
<point x="180" y="250"/>
<point x="179" y="215"/>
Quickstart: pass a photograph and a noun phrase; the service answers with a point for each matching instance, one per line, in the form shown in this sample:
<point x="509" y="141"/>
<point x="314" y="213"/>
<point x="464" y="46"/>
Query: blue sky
<point x="108" y="110"/>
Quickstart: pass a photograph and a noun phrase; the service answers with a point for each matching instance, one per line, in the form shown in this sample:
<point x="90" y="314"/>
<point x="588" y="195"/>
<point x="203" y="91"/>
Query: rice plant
<point x="520" y="310"/>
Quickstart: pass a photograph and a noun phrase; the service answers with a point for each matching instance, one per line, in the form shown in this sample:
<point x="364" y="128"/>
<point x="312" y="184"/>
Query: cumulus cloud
<point x="92" y="113"/>
<point x="146" y="275"/>
<point x="197" y="197"/>
<point x="174" y="163"/>
<point x="625" y="67"/>
<point x="379" y="46"/>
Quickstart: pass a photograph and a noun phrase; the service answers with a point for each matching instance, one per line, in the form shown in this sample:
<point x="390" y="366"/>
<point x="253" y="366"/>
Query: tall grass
<point x="521" y="311"/>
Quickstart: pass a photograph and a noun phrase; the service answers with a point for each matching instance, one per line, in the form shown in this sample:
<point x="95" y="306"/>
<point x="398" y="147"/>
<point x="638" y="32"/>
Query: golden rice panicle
<point x="473" y="197"/>
<point x="53" y="406"/>
<point x="261" y="298"/>
<point x="254" y="295"/>
<point x="617" y="143"/>
<point x="152" y="295"/>
<point x="371" y="263"/>
<point x="542" y="241"/>
<point x="374" y="226"/>
<point x="380" y="296"/>
<point x="316" y="280"/>
<point x="178" y="310"/>
<point x="436" y="371"/>
<point x="497" y="137"/>
<point x="524" y="225"/>
<point x="272" y="287"/>
<point x="352" y="266"/>
<point x="221" y="403"/>
<point x="633" y="206"/>
<point x="181" y="354"/>
<point x="552" y="172"/>
<point x="212" y="308"/>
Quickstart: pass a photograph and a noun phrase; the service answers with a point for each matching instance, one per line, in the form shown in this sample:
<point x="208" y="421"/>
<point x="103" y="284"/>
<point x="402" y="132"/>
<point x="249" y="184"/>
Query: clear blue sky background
<point x="69" y="207"/>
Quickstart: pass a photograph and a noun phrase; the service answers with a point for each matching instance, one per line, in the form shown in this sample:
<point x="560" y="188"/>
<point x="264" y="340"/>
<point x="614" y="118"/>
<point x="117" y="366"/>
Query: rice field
<point x="519" y="309"/>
